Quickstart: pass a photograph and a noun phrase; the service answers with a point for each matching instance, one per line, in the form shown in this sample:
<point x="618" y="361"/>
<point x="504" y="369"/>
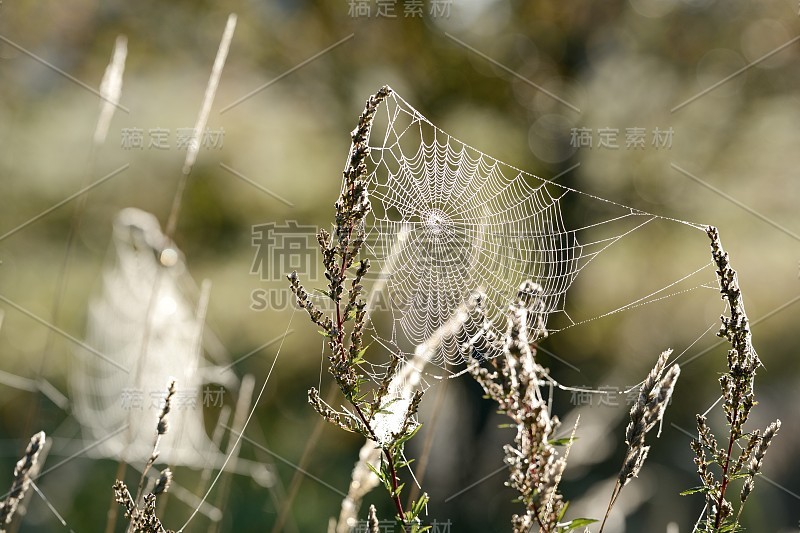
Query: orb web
<point x="148" y="331"/>
<point x="448" y="220"/>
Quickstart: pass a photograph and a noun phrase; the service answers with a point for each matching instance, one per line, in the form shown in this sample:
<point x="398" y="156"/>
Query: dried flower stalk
<point x="402" y="386"/>
<point x="385" y="419"/>
<point x="22" y="480"/>
<point x="655" y="394"/>
<point x="513" y="380"/>
<point x="738" y="396"/>
<point x="142" y="511"/>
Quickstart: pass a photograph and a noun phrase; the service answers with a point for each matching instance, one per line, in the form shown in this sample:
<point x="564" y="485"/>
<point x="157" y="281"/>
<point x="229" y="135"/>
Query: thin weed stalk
<point x="141" y="509"/>
<point x="361" y="481"/>
<point x="243" y="405"/>
<point x="23" y="474"/>
<point x="512" y="378"/>
<point x="344" y="329"/>
<point x="655" y="394"/>
<point x="111" y="90"/>
<point x="305" y="458"/>
<point x="402" y="385"/>
<point x="738" y="395"/>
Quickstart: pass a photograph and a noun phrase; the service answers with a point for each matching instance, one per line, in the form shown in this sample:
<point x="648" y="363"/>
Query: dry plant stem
<point x="187" y="497"/>
<point x="111" y="89"/>
<point x="373" y="524"/>
<point x="512" y="379"/>
<point x="739" y="398"/>
<point x="32" y="474"/>
<point x="111" y="514"/>
<point x="22" y="480"/>
<point x="357" y="155"/>
<point x="144" y="519"/>
<point x="191" y="156"/>
<point x="352" y="206"/>
<point x="298" y="476"/>
<point x="654" y="396"/>
<point x="729" y="288"/>
<point x="339" y="252"/>
<point x="362" y="479"/>
<point x="161" y="429"/>
<point x="407" y="378"/>
<point x="142" y="510"/>
<point x="202" y="120"/>
<point x="427" y="444"/>
<point x="243" y="405"/>
<point x="725" y="481"/>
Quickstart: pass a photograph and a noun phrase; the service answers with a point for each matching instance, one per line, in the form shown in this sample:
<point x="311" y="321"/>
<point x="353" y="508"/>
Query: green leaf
<point x="695" y="490"/>
<point x="363" y="351"/>
<point x="563" y="512"/>
<point x="418" y="506"/>
<point x="359" y="398"/>
<point x="408" y="436"/>
<point x="576" y="523"/>
<point x="359" y="358"/>
<point x="375" y="471"/>
<point x="404" y="464"/>
<point x="730" y="527"/>
<point x="563" y="442"/>
<point x="323" y="292"/>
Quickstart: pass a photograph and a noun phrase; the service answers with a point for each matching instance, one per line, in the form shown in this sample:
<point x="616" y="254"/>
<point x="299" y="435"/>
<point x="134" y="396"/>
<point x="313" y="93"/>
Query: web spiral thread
<point x="448" y="220"/>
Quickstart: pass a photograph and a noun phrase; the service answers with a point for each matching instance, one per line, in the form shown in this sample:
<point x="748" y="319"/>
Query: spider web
<point x="147" y="331"/>
<point x="448" y="220"/>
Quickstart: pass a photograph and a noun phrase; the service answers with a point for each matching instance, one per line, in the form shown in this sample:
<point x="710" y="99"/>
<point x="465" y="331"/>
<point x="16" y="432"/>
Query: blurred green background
<point x="623" y="64"/>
